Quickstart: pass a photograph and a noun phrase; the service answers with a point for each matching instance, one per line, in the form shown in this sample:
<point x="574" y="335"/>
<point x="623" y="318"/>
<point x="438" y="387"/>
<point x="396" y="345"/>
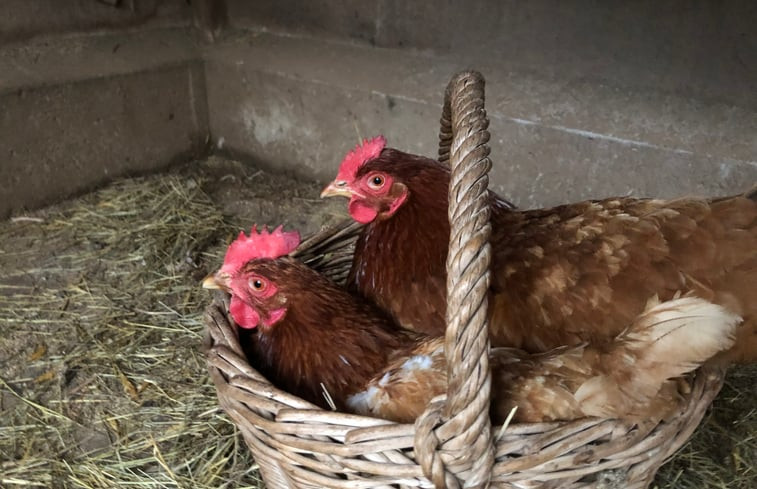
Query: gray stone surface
<point x="347" y="19"/>
<point x="61" y="139"/>
<point x="586" y="99"/>
<point x="305" y="126"/>
<point x="706" y="49"/>
<point x="25" y="19"/>
<point x="75" y="58"/>
<point x="537" y="166"/>
<point x="300" y="103"/>
<point x="84" y="109"/>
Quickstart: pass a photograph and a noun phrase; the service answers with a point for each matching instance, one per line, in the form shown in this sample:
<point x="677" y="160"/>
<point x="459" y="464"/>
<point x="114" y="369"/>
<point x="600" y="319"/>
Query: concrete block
<point x="438" y="26"/>
<point x="643" y="116"/>
<point x="538" y="166"/>
<point x="43" y="62"/>
<point x="62" y="139"/>
<point x="300" y="104"/>
<point x="305" y="127"/>
<point x="210" y="17"/>
<point x="586" y="99"/>
<point x="24" y="19"/>
<point x="346" y="19"/>
<point x="706" y="50"/>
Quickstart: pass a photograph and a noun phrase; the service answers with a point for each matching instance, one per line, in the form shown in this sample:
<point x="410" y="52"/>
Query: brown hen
<point x="560" y="276"/>
<point x="332" y="348"/>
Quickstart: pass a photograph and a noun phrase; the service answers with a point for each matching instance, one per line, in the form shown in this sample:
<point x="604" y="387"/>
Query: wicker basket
<point x="452" y="444"/>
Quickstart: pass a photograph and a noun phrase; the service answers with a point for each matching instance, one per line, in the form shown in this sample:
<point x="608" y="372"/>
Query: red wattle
<point x="245" y="316"/>
<point x="361" y="212"/>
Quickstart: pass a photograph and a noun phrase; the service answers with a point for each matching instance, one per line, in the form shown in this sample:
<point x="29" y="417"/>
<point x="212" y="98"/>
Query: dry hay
<point x="102" y="383"/>
<point x="723" y="451"/>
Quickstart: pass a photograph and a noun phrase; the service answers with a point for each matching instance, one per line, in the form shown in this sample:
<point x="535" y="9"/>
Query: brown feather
<point x="564" y="275"/>
<point x="629" y="378"/>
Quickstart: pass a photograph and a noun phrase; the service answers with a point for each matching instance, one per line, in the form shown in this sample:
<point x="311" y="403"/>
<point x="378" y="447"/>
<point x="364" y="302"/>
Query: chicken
<point x="560" y="276"/>
<point x="310" y="338"/>
<point x="328" y="346"/>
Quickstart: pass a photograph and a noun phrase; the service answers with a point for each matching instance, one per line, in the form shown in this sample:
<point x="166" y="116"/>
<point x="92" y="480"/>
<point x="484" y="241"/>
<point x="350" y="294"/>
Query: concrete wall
<point x="91" y="92"/>
<point x="26" y="19"/>
<point x="586" y="98"/>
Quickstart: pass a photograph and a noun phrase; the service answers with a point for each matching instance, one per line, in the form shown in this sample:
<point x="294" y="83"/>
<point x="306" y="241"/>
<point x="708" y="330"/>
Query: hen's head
<point x="248" y="275"/>
<point x="374" y="190"/>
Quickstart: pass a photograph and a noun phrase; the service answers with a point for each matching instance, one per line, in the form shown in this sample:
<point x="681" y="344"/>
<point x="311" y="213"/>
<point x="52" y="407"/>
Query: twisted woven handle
<point x="453" y="436"/>
<point x="445" y="124"/>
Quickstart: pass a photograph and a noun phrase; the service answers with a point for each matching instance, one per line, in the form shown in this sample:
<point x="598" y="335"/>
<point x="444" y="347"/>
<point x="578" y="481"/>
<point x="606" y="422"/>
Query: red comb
<point x="259" y="245"/>
<point x="369" y="149"/>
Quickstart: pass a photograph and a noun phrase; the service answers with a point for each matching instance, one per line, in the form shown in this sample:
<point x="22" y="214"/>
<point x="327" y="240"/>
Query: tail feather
<point x="671" y="338"/>
<point x="666" y="341"/>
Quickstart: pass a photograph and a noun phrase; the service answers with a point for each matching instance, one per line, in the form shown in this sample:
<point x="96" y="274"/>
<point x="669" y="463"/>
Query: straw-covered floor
<point x="102" y="383"/>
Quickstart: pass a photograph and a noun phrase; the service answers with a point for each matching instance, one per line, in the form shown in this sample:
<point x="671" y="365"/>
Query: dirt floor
<point x="102" y="383"/>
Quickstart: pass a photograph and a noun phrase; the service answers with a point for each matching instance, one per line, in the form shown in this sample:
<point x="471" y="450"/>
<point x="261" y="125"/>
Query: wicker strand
<point x="445" y="127"/>
<point x="453" y="436"/>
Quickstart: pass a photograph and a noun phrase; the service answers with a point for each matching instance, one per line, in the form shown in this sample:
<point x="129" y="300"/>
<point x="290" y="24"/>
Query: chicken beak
<point x="337" y="188"/>
<point x="217" y="281"/>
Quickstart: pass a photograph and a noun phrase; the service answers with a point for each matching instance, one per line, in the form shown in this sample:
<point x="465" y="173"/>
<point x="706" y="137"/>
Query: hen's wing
<point x="628" y="379"/>
<point x="581" y="272"/>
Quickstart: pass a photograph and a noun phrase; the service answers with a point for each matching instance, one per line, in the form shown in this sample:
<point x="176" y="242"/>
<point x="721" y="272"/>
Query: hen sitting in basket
<point x="559" y="276"/>
<point x="320" y="342"/>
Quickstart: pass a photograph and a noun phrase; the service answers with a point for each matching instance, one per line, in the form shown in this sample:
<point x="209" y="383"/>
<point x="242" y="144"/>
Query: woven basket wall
<point x="299" y="445"/>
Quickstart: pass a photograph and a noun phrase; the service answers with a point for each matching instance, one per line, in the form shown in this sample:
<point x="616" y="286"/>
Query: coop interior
<point x="137" y="137"/>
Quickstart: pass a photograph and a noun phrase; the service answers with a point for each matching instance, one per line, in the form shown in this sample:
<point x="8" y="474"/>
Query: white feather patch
<point x="667" y="340"/>
<point x="361" y="402"/>
<point x="417" y="362"/>
<point x="371" y="400"/>
<point x="685" y="331"/>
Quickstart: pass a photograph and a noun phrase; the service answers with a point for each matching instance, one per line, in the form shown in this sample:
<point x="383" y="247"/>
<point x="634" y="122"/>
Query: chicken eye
<point x="376" y="182"/>
<point x="257" y="284"/>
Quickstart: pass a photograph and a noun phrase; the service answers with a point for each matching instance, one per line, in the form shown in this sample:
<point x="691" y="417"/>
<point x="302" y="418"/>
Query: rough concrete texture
<point x="24" y="19"/>
<point x="300" y="103"/>
<point x="80" y="110"/>
<point x="586" y="99"/>
<point x="61" y="139"/>
<point x="301" y="126"/>
<point x="348" y="19"/>
<point x="706" y="49"/>
<point x="71" y="59"/>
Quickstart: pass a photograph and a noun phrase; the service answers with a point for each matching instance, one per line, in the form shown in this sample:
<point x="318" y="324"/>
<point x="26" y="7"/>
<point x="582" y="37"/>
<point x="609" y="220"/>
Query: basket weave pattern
<point x="452" y="444"/>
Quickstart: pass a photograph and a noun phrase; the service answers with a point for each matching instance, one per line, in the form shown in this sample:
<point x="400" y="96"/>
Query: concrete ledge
<point x="702" y="50"/>
<point x="81" y="111"/>
<point x="25" y="19"/>
<point x="299" y="103"/>
<point x="75" y="58"/>
<point x="334" y="19"/>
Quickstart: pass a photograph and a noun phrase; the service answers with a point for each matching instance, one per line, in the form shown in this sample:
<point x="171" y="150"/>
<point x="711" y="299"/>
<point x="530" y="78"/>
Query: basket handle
<point x="453" y="436"/>
<point x="445" y="124"/>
